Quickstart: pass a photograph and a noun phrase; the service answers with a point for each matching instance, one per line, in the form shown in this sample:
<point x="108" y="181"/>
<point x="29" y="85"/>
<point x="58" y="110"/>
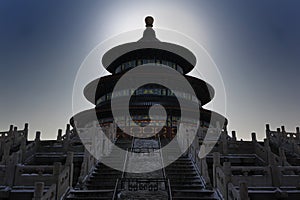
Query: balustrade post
<point x="233" y="134"/>
<point x="253" y="136"/>
<point x="282" y="156"/>
<point x="268" y="135"/>
<point x="23" y="149"/>
<point x="6" y="152"/>
<point x="227" y="178"/>
<point x="59" y="135"/>
<point x="56" y="173"/>
<point x="298" y="134"/>
<point x="243" y="190"/>
<point x="38" y="191"/>
<point x="69" y="162"/>
<point x="14" y="135"/>
<point x="216" y="163"/>
<point x="26" y="131"/>
<point x="37" y="140"/>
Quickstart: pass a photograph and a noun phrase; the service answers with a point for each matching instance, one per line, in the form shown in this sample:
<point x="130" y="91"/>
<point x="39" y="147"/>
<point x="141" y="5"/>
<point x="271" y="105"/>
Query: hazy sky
<point x="255" y="45"/>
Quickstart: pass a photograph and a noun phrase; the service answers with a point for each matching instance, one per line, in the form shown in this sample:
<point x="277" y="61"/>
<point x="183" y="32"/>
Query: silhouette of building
<point x="65" y="169"/>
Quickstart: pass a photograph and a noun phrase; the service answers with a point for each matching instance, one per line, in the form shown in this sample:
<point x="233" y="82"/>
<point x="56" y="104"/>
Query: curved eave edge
<point x="110" y="56"/>
<point x="91" y="89"/>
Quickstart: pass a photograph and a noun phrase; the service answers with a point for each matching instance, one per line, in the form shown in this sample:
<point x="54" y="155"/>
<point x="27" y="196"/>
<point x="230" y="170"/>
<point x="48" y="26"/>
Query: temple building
<point x="75" y="165"/>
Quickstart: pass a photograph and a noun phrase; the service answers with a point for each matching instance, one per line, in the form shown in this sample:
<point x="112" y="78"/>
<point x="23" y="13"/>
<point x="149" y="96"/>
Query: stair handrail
<point x="198" y="171"/>
<point x="164" y="171"/>
<point x="169" y="189"/>
<point x="125" y="163"/>
<point x="126" y="157"/>
<point x="115" y="190"/>
<point x="162" y="159"/>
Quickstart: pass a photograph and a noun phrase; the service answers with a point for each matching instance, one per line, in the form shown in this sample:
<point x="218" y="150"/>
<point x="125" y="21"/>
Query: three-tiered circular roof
<point x="148" y="45"/>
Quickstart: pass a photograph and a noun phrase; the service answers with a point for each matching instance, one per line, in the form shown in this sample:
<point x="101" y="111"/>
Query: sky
<point x="254" y="44"/>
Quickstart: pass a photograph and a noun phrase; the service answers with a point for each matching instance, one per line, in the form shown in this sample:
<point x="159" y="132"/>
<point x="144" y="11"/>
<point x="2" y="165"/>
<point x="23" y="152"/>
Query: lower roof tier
<point x="105" y="85"/>
<point x="87" y="117"/>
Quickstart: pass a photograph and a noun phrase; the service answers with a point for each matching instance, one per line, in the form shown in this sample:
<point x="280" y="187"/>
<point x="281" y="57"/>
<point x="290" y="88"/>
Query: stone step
<point x="90" y="194"/>
<point x="102" y="166"/>
<point x="96" y="173"/>
<point x="195" y="178"/>
<point x="104" y="177"/>
<point x="104" y="182"/>
<point x="105" y="172"/>
<point x="193" y="193"/>
<point x="186" y="187"/>
<point x="172" y="174"/>
<point x="196" y="198"/>
<point x="181" y="163"/>
<point x="180" y="171"/>
<point x="186" y="182"/>
<point x="100" y="187"/>
<point x="89" y="198"/>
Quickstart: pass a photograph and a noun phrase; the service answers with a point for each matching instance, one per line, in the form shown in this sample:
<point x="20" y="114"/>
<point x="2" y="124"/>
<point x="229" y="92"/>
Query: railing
<point x="116" y="190"/>
<point x="164" y="171"/>
<point x="162" y="159"/>
<point x="169" y="190"/>
<point x="144" y="150"/>
<point x="233" y="193"/>
<point x="123" y="172"/>
<point x="125" y="163"/>
<point x="126" y="157"/>
<point x="139" y="184"/>
<point x="51" y="193"/>
<point x="2" y="174"/>
<point x="143" y="184"/>
<point x="150" y="184"/>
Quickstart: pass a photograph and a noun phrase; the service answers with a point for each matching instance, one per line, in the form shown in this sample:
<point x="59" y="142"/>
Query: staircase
<point x="186" y="183"/>
<point x="102" y="181"/>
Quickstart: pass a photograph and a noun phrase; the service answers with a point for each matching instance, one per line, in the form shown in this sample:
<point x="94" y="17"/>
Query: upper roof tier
<point x="112" y="57"/>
